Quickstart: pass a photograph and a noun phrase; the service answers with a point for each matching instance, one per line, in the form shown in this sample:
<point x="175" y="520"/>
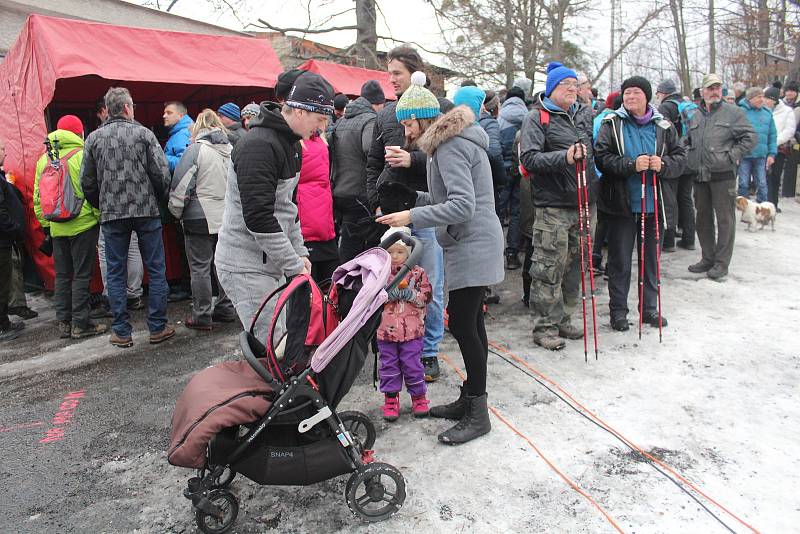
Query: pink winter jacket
<point x="404" y="320"/>
<point x="314" y="196"/>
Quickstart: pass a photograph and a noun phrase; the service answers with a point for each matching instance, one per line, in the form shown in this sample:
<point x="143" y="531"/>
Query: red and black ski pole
<point x="588" y="226"/>
<point x="579" y="162"/>
<point x="658" y="253"/>
<point x="641" y="255"/>
<point x="585" y="244"/>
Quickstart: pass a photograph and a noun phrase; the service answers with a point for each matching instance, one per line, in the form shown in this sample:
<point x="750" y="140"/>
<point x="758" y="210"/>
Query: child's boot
<point x="420" y="406"/>
<point x="391" y="407"/>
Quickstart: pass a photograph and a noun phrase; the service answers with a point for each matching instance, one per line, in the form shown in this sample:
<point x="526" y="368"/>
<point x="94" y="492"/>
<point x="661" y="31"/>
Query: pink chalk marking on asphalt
<point x="21" y="426"/>
<point x="63" y="416"/>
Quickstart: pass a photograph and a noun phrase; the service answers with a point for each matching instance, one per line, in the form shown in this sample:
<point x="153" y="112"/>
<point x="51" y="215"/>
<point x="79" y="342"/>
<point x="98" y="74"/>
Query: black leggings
<point x="465" y="316"/>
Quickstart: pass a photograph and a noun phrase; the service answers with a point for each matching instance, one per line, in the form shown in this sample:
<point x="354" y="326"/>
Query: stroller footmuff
<point x="272" y="418"/>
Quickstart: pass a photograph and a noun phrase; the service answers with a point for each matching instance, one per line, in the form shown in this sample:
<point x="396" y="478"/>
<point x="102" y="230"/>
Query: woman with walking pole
<point x="635" y="148"/>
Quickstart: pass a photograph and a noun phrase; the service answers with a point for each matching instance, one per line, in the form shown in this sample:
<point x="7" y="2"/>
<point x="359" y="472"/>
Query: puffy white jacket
<point x="783" y="116"/>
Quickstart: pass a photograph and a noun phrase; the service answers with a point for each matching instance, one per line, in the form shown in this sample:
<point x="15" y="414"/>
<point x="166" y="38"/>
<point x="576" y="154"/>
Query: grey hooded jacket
<point x="197" y="192"/>
<point x="718" y="140"/>
<point x="460" y="201"/>
<point x="350" y="142"/>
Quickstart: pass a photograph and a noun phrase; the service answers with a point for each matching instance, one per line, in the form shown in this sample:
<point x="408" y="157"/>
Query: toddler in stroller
<point x="274" y="420"/>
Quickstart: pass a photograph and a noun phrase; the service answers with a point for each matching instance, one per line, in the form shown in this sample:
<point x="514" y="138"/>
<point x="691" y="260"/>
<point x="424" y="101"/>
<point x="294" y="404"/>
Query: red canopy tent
<point x="60" y="66"/>
<point x="348" y="80"/>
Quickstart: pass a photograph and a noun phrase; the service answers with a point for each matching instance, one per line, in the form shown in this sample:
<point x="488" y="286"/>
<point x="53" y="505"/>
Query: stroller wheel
<point x="220" y="521"/>
<point x="222" y="481"/>
<point x="376" y="492"/>
<point x="360" y="427"/>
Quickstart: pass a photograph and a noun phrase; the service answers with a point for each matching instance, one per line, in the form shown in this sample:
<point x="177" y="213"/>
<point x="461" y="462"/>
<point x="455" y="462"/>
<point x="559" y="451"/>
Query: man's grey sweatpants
<point x="135" y="267"/>
<point x="247" y="290"/>
<point x="716" y="200"/>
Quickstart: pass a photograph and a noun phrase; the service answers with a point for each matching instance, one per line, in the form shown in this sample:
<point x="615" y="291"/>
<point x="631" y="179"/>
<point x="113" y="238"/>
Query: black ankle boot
<point x="474" y="424"/>
<point x="455" y="410"/>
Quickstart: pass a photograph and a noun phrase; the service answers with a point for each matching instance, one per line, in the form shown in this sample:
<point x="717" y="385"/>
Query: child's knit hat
<point x="417" y="102"/>
<point x="392" y="230"/>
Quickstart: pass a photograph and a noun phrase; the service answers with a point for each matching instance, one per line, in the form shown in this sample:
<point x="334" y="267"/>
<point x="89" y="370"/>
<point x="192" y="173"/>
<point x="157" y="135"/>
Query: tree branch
<point x="305" y="30"/>
<point x="631" y="38"/>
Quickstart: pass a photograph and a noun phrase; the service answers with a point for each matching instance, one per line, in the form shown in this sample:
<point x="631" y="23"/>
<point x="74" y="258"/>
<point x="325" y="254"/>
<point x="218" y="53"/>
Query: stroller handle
<point x="257" y="366"/>
<point x="413" y="258"/>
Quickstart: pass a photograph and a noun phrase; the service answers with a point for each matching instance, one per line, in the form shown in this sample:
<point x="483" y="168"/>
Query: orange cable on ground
<point x="620" y="436"/>
<point x="569" y="482"/>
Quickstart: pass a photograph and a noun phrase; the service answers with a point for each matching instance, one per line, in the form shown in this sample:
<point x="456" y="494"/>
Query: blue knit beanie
<point x="472" y="97"/>
<point x="556" y="72"/>
<point x="231" y="111"/>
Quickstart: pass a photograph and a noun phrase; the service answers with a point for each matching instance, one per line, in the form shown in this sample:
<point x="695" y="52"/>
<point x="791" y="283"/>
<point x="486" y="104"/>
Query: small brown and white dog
<point x="761" y="213"/>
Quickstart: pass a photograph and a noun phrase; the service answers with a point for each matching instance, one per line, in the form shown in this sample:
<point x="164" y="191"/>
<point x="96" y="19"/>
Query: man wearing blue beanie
<point x="548" y="142"/>
<point x="231" y="116"/>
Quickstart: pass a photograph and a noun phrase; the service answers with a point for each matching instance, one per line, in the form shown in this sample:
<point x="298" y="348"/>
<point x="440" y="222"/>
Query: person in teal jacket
<point x="756" y="163"/>
<point x="176" y="119"/>
<point x="74" y="241"/>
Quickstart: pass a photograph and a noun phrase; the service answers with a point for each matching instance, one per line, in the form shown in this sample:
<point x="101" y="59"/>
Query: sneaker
<point x="91" y="329"/>
<point x="164" y="335"/>
<point x="431" y="365"/>
<point x="652" y="319"/>
<point x="178" y="295"/>
<point x="391" y="407"/>
<point x="569" y="331"/>
<point x="717" y="272"/>
<point x="135" y="303"/>
<point x="64" y="329"/>
<point x="548" y="341"/>
<point x="23" y="312"/>
<point x="196" y="325"/>
<point x="100" y="312"/>
<point x="701" y="267"/>
<point x="12" y="331"/>
<point x="620" y="324"/>
<point x="512" y="262"/>
<point x="686" y="245"/>
<point x="119" y="341"/>
<point x="420" y="406"/>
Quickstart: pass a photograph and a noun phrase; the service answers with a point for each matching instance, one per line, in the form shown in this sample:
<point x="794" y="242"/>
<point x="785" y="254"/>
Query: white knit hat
<point x="393" y="229"/>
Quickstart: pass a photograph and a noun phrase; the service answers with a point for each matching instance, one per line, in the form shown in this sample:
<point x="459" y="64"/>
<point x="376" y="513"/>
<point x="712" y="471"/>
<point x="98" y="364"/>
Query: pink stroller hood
<point x="372" y="268"/>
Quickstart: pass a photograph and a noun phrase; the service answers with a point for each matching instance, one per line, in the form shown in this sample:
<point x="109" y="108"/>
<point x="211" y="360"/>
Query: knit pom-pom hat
<point x="417" y="102"/>
<point x="556" y="72"/>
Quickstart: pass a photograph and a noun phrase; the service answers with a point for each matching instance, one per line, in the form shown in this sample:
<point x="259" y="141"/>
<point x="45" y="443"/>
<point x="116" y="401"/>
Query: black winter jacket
<point x="616" y="167"/>
<point x="12" y="214"/>
<point x="267" y="153"/>
<point x="350" y="142"/>
<point x="389" y="132"/>
<point x="544" y="153"/>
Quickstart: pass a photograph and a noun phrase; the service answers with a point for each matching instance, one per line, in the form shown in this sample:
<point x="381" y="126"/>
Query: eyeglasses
<point x="569" y="85"/>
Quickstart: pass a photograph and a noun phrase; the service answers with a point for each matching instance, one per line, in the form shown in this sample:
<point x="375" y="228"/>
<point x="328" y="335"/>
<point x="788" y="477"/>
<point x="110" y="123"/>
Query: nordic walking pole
<point x="658" y="254"/>
<point x="641" y="257"/>
<point x="578" y="162"/>
<point x="588" y="219"/>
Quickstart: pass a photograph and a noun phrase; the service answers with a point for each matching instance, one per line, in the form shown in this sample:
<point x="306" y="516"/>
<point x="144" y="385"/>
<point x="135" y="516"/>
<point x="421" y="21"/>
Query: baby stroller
<point x="274" y="420"/>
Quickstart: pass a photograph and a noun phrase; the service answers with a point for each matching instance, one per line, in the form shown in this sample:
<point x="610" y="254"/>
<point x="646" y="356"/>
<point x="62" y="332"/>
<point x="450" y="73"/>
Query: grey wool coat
<point x="460" y="201"/>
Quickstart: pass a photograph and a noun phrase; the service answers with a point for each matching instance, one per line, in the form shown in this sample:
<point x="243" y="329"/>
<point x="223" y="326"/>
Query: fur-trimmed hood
<point x="459" y="122"/>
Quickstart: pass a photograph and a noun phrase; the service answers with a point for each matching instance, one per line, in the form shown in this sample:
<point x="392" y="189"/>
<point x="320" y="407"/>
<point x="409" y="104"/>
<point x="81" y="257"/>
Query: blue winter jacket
<point x="512" y="113"/>
<point x="764" y="126"/>
<point x="179" y="139"/>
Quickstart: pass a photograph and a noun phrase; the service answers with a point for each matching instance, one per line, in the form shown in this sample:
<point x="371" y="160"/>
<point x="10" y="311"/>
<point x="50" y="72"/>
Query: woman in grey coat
<point x="460" y="204"/>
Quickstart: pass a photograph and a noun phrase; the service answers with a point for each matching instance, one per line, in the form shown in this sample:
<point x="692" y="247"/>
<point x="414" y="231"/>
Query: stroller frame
<point x="375" y="491"/>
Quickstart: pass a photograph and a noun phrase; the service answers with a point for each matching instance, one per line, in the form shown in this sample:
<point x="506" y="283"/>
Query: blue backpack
<point x="686" y="111"/>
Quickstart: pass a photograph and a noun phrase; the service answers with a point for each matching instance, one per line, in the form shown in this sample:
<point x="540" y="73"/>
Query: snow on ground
<point x="717" y="401"/>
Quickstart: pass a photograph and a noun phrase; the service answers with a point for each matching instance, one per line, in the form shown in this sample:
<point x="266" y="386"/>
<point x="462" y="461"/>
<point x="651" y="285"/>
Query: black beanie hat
<point x="641" y="83"/>
<point x="773" y="93"/>
<point x="791" y="86"/>
<point x="515" y="91"/>
<point x="373" y="92"/>
<point x="340" y="101"/>
<point x="285" y="82"/>
<point x="311" y="92"/>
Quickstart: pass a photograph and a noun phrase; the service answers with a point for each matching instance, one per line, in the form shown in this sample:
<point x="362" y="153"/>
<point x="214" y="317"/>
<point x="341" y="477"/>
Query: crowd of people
<point x="307" y="182"/>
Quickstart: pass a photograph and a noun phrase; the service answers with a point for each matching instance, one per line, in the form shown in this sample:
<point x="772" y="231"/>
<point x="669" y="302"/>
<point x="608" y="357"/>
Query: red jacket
<point x="314" y="196"/>
<point x="404" y="320"/>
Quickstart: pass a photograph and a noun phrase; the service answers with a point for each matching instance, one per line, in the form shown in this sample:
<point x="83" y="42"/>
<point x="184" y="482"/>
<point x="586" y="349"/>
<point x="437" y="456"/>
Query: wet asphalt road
<point x="58" y="426"/>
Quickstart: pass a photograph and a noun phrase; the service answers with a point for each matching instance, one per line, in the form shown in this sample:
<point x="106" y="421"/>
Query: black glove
<point x="396" y="196"/>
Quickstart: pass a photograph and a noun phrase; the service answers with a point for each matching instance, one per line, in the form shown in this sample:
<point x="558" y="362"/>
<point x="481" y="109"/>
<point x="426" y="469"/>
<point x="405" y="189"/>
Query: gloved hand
<point x="401" y="294"/>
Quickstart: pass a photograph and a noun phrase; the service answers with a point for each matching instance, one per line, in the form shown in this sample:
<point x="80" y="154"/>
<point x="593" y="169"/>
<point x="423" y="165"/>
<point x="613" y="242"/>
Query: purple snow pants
<point x="399" y="362"/>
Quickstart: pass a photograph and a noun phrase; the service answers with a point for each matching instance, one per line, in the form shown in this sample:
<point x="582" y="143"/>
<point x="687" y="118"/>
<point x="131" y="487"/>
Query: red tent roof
<point x="346" y="79"/>
<point x="71" y="63"/>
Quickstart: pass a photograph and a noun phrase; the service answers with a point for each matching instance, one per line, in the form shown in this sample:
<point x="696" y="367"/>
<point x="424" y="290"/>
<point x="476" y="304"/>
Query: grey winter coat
<point x="124" y="171"/>
<point x="718" y="140"/>
<point x="460" y="201"/>
<point x="235" y="132"/>
<point x="198" y="183"/>
<point x="512" y="114"/>
<point x="350" y="142"/>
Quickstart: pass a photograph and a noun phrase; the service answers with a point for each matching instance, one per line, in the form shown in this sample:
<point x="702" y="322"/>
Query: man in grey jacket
<point x="125" y="175"/>
<point x="719" y="136"/>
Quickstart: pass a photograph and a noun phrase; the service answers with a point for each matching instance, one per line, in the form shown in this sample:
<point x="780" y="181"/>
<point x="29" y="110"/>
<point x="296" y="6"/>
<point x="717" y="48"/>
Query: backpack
<point x="544" y="118"/>
<point x="686" y="111"/>
<point x="57" y="196"/>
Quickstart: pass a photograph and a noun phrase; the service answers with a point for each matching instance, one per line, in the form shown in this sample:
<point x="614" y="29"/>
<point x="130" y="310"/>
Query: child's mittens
<point x="401" y="294"/>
